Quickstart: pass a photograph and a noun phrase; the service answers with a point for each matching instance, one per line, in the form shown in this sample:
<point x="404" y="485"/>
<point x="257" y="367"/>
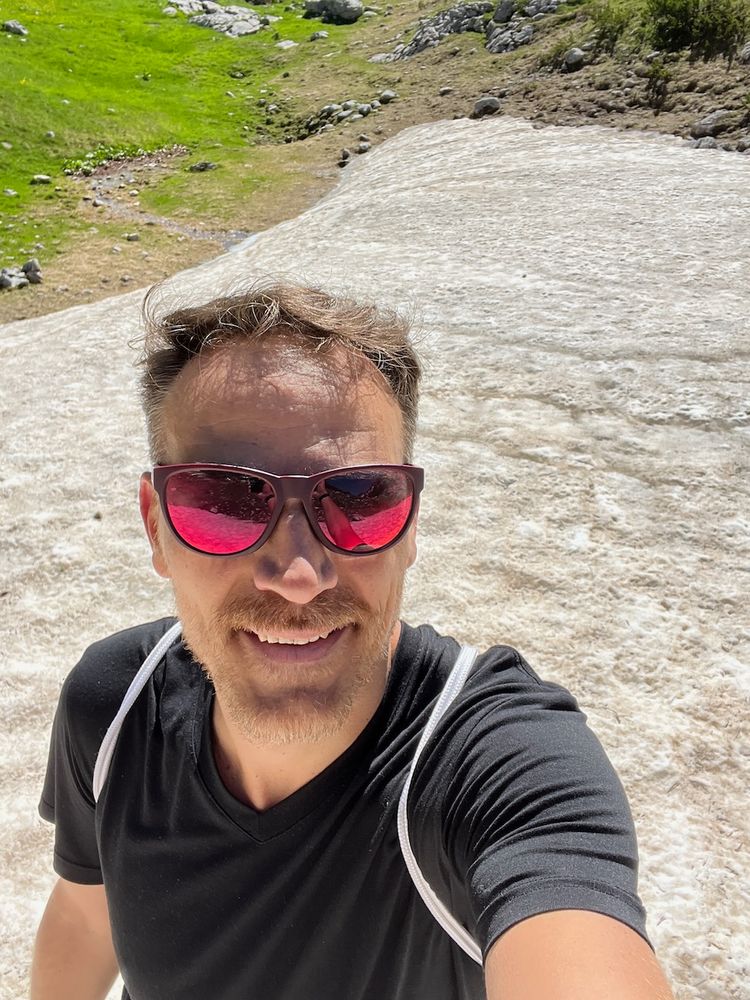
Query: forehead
<point x="283" y="407"/>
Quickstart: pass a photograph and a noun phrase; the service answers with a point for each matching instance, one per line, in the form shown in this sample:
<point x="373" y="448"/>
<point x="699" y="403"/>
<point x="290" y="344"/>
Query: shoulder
<point x="95" y="687"/>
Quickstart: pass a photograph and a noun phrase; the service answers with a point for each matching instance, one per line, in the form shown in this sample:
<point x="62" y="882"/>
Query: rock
<point x="41" y="179"/>
<point x="201" y="167"/>
<point x="126" y="279"/>
<point x="345" y="154"/>
<point x="15" y="28"/>
<point x="287" y="44"/>
<point x="713" y="124"/>
<point x="743" y="146"/>
<point x="6" y="145"/>
<point x="509" y="38"/>
<point x="504" y="11"/>
<point x="31" y="266"/>
<point x="318" y="34"/>
<point x="116" y="248"/>
<point x="97" y="203"/>
<point x="10" y="193"/>
<point x="387" y="96"/>
<point x="573" y="60"/>
<point x="456" y="20"/>
<point x="707" y="142"/>
<point x="49" y="135"/>
<point x="363" y="110"/>
<point x="744" y="55"/>
<point x="13" y="277"/>
<point x="335" y="11"/>
<point x="132" y="237"/>
<point x="485" y="106"/>
<point x="170" y="11"/>
<point x="233" y="21"/>
<point x="364" y="138"/>
<point x="444" y="91"/>
<point x="375" y="104"/>
<point x="363" y="147"/>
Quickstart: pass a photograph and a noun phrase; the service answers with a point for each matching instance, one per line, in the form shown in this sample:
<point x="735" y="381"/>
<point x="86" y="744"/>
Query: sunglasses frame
<point x="287" y="488"/>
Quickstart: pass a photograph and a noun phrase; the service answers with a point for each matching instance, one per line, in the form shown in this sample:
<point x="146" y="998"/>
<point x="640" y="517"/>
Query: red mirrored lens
<point x="218" y="512"/>
<point x="363" y="510"/>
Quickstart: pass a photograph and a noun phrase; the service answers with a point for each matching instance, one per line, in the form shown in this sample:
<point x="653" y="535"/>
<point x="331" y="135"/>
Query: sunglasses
<point x="221" y="510"/>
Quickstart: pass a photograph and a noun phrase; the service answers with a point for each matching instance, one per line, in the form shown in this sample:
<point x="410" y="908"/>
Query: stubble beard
<point x="287" y="704"/>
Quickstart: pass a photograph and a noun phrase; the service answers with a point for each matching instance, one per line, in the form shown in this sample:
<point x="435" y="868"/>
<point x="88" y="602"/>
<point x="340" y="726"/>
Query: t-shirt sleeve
<point x="517" y="809"/>
<point x="67" y="798"/>
<point x="89" y="700"/>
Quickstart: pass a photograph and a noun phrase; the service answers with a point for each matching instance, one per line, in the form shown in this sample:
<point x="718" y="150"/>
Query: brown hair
<point x="317" y="319"/>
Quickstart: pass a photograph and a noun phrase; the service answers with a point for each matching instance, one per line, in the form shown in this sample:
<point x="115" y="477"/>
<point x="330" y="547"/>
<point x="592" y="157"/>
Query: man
<point x="245" y="832"/>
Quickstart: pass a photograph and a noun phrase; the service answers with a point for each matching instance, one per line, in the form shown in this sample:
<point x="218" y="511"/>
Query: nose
<point x="292" y="563"/>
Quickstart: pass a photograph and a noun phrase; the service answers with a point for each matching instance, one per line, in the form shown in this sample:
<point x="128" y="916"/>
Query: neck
<point x="262" y="775"/>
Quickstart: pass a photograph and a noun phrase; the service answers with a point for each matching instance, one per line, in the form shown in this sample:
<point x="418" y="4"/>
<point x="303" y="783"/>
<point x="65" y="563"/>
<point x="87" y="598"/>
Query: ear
<point x="410" y="542"/>
<point x="149" y="503"/>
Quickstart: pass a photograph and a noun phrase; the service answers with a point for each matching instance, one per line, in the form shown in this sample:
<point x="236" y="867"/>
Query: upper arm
<point x="573" y="955"/>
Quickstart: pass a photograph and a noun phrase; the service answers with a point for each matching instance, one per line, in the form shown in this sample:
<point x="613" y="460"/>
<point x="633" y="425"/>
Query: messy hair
<point x="315" y="319"/>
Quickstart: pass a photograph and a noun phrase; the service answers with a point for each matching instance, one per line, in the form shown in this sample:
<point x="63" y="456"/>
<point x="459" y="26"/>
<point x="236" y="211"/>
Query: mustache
<point x="327" y="611"/>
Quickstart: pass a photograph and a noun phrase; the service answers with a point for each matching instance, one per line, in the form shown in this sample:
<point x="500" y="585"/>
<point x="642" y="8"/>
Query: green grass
<point x="706" y="28"/>
<point x="121" y="74"/>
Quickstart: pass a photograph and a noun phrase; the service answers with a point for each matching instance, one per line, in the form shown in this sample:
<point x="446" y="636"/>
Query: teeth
<point x="292" y="642"/>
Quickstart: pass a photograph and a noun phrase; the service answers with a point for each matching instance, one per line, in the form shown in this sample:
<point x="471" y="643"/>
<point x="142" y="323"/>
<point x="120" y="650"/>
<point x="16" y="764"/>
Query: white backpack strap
<point x="440" y="912"/>
<point x="104" y="757"/>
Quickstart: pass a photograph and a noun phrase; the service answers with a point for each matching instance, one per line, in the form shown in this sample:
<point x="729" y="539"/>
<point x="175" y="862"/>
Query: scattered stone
<point x="743" y="146"/>
<point x="6" y="145"/>
<point x="233" y="21"/>
<point x="485" y="106"/>
<point x="10" y="193"/>
<point x="13" y="277"/>
<point x="506" y="39"/>
<point x="132" y="237"/>
<point x="317" y="35"/>
<point x="287" y="44"/>
<point x="15" y="28"/>
<point x="363" y="138"/>
<point x="170" y="11"/>
<point x="504" y="11"/>
<point x="116" y="248"/>
<point x="712" y="125"/>
<point x="134" y="193"/>
<point x="456" y="20"/>
<point x="573" y="60"/>
<point x="64" y="100"/>
<point x="201" y="167"/>
<point x="707" y="142"/>
<point x="97" y="203"/>
<point x="363" y="147"/>
<point x="41" y="179"/>
<point x="345" y="154"/>
<point x="444" y="91"/>
<point x="49" y="135"/>
<point x="387" y="96"/>
<point x="335" y="11"/>
<point x="126" y="279"/>
<point x="33" y="271"/>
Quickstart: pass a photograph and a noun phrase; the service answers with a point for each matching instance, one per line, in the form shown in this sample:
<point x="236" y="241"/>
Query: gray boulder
<point x="15" y="28"/>
<point x="201" y="167"/>
<point x="486" y="105"/>
<point x="714" y="124"/>
<point x="508" y="39"/>
<point x="335" y="11"/>
<point x="233" y="21"/>
<point x="707" y="142"/>
<point x="743" y="146"/>
<point x="504" y="11"/>
<point x="431" y="31"/>
<point x="41" y="179"/>
<point x="387" y="96"/>
<point x="573" y="60"/>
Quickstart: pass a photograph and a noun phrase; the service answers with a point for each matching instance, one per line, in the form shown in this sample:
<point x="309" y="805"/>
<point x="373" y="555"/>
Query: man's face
<point x="280" y="409"/>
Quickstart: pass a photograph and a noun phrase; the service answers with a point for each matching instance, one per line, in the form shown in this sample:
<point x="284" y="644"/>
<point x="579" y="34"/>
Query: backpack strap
<point x="441" y="913"/>
<point x="107" y="748"/>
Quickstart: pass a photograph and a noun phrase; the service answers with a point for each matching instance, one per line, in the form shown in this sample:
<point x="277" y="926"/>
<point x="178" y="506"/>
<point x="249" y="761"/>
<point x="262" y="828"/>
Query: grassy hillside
<point x="119" y="76"/>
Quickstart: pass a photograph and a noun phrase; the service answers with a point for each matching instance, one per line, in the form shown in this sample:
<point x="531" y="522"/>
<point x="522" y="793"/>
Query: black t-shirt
<point x="514" y="810"/>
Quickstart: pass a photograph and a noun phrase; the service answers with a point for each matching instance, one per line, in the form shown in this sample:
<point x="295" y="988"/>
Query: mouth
<point x="294" y="646"/>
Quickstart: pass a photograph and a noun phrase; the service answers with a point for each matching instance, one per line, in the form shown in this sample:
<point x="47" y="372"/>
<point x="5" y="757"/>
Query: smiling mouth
<point x="294" y="647"/>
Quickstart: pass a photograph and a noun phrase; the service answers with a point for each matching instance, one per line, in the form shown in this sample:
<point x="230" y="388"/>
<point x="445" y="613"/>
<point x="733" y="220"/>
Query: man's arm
<point x="73" y="955"/>
<point x="573" y="955"/>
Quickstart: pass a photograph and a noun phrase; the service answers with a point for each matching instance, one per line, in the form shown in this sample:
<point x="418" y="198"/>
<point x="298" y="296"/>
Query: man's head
<point x="287" y="381"/>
